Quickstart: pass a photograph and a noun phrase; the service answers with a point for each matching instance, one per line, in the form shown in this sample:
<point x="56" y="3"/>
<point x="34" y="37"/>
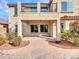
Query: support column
<point x="67" y="23"/>
<point x="39" y="31"/>
<point x="59" y="6"/>
<point x="19" y="28"/>
<point x="38" y="7"/>
<point x="58" y="29"/>
<point x="18" y="8"/>
<point x="39" y="28"/>
<point x="19" y="20"/>
<point x="58" y="22"/>
<point x="54" y="30"/>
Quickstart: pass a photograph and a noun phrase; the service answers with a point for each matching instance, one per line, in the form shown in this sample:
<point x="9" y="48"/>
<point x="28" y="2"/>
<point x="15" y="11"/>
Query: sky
<point x="4" y="7"/>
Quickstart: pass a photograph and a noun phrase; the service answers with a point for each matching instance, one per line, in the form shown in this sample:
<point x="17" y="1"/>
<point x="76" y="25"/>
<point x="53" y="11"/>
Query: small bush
<point x="67" y="35"/>
<point x="16" y="41"/>
<point x="10" y="35"/>
<point x="70" y="36"/>
<point x="2" y="40"/>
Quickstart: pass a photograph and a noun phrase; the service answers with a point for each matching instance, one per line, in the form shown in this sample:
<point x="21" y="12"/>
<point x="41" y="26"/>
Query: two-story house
<point x="43" y="19"/>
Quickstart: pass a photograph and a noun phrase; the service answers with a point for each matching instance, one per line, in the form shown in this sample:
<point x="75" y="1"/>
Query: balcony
<point x="38" y="16"/>
<point x="37" y="11"/>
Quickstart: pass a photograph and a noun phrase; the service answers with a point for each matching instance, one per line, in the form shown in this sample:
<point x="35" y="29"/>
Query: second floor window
<point x="33" y="9"/>
<point x="44" y="9"/>
<point x="67" y="6"/>
<point x="30" y="9"/>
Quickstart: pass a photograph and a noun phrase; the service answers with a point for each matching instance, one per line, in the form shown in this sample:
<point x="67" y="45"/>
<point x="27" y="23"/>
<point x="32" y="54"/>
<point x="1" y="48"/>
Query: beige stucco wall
<point x="12" y="24"/>
<point x="2" y="30"/>
<point x="76" y="6"/>
<point x="25" y="28"/>
<point x="12" y="19"/>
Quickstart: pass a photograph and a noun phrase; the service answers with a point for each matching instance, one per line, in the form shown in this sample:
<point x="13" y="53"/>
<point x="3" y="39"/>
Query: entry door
<point x="44" y="28"/>
<point x="34" y="28"/>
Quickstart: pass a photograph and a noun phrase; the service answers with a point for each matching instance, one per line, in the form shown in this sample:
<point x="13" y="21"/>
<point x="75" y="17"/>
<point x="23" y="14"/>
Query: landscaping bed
<point x="12" y="41"/>
<point x="69" y="38"/>
<point x="64" y="44"/>
<point x="8" y="46"/>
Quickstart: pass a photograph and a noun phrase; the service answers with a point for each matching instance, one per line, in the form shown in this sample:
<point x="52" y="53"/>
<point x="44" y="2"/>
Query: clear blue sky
<point x="4" y="7"/>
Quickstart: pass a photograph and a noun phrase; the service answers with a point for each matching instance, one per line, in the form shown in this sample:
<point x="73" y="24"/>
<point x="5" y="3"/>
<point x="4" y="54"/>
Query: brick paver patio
<point x="38" y="49"/>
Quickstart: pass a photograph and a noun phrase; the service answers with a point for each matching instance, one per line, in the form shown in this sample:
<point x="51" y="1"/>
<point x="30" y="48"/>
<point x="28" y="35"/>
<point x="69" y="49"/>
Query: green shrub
<point x="13" y="39"/>
<point x="16" y="41"/>
<point x="67" y="35"/>
<point x="2" y="40"/>
<point x="70" y="36"/>
<point x="10" y="35"/>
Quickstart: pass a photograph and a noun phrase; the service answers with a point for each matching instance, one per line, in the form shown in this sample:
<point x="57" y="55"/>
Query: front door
<point x="44" y="28"/>
<point x="39" y="29"/>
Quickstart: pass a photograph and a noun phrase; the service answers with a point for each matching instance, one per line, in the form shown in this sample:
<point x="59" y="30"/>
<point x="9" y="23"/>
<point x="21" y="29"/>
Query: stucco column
<point x="54" y="29"/>
<point x="58" y="29"/>
<point x="19" y="28"/>
<point x="39" y="31"/>
<point x="58" y="22"/>
<point x="19" y="20"/>
<point x="18" y="8"/>
<point x="38" y="28"/>
<point x="38" y="7"/>
<point x="59" y="6"/>
<point x="67" y="23"/>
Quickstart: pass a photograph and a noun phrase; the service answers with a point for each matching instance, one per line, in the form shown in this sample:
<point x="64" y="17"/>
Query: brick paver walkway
<point x="38" y="49"/>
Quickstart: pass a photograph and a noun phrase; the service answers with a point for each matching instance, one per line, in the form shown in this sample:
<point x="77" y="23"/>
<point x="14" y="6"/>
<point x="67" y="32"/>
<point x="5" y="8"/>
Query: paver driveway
<point x="38" y="49"/>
